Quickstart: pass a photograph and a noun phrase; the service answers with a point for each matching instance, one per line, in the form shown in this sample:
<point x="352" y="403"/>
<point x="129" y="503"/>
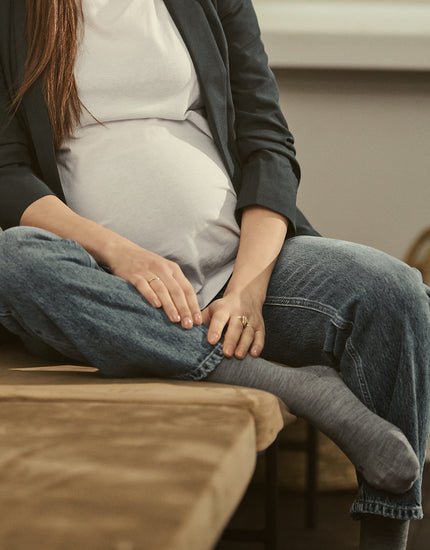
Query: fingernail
<point x="198" y="318"/>
<point x="228" y="351"/>
<point x="213" y="338"/>
<point x="187" y="322"/>
<point x="175" y="318"/>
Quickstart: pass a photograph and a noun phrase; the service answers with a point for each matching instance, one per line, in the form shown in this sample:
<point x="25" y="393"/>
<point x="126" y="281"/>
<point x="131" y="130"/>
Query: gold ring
<point x="154" y="278"/>
<point x="243" y="320"/>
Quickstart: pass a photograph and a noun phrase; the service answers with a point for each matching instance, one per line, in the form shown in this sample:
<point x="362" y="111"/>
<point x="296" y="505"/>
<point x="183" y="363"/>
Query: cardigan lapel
<point x="35" y="110"/>
<point x="191" y="19"/>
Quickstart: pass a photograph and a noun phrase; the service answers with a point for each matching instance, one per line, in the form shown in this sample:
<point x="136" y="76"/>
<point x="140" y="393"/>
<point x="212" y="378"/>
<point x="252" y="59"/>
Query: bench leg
<point x="269" y="534"/>
<point x="272" y="497"/>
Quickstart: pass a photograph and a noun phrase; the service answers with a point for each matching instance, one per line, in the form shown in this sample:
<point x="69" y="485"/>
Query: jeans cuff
<point x="206" y="367"/>
<point x="393" y="512"/>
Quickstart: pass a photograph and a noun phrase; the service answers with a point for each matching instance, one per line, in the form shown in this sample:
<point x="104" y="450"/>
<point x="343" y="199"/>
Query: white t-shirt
<point x="152" y="173"/>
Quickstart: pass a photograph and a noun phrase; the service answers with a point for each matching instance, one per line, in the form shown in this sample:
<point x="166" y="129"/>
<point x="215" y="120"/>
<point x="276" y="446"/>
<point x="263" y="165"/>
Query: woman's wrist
<point x="257" y="287"/>
<point x="51" y="214"/>
<point x="262" y="235"/>
<point x="109" y="246"/>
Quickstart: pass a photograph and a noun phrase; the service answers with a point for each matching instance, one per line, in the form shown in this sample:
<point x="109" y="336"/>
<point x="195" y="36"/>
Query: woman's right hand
<point x="172" y="291"/>
<point x="160" y="281"/>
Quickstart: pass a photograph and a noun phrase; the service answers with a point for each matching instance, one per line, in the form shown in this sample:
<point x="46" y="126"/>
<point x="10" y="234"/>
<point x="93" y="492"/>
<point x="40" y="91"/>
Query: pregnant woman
<point x="148" y="195"/>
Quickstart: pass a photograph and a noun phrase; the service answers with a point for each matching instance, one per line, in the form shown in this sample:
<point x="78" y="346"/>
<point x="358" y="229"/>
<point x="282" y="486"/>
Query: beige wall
<point x="363" y="141"/>
<point x="380" y="1"/>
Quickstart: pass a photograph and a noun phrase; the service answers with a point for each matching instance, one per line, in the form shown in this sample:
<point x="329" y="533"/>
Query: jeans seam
<point x="360" y="507"/>
<point x="301" y="302"/>
<point x="391" y="506"/>
<point x="304" y="303"/>
<point x="356" y="359"/>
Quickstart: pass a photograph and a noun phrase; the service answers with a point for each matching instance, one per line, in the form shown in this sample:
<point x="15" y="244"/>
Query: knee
<point x="14" y="239"/>
<point x="412" y="302"/>
<point x="22" y="249"/>
<point x="20" y="241"/>
<point x="391" y="288"/>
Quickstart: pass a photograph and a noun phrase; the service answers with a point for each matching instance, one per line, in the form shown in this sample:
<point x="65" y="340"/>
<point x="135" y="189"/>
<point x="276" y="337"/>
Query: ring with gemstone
<point x="243" y="320"/>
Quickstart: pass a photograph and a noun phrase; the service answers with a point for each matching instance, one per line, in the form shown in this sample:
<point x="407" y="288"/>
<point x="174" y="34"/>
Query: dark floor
<point x="334" y="529"/>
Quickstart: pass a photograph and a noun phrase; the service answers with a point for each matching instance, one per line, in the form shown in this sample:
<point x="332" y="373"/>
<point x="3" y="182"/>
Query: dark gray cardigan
<point x="239" y="92"/>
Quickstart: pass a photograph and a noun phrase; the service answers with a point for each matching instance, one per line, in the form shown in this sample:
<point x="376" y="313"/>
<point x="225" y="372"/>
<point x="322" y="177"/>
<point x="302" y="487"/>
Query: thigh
<point x="54" y="295"/>
<point x="316" y="291"/>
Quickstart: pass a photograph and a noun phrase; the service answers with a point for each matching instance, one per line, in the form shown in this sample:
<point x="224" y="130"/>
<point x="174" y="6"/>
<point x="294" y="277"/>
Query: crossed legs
<point x="330" y="304"/>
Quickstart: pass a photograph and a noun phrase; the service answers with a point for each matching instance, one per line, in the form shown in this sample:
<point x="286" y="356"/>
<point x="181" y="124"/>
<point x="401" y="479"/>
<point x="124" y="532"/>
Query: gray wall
<point x="363" y="142"/>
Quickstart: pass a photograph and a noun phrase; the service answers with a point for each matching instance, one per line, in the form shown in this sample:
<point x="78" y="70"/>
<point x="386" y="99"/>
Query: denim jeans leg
<point x="55" y="297"/>
<point x="368" y="315"/>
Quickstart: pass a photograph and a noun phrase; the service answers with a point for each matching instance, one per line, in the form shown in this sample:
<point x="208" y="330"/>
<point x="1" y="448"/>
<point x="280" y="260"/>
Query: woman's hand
<point x="227" y="312"/>
<point x="261" y="239"/>
<point x="161" y="282"/>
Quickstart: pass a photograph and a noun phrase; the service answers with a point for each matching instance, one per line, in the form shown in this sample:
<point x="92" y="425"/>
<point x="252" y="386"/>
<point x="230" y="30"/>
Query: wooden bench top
<point x="91" y="463"/>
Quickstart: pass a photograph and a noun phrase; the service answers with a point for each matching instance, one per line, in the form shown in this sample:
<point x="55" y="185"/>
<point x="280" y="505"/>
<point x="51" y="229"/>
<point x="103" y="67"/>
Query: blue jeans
<point x="329" y="302"/>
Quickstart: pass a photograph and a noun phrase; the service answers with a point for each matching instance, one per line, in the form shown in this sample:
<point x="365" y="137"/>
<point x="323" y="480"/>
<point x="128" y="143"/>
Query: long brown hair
<point x="52" y="37"/>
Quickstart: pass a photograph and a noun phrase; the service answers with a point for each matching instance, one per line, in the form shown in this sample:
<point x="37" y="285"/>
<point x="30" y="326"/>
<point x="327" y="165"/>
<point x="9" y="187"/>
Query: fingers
<point x="206" y="316"/>
<point x="172" y="291"/>
<point x="258" y="344"/>
<point x="159" y="280"/>
<point x="236" y="332"/>
<point x="161" y="291"/>
<point x="190" y="305"/>
<point x="238" y="341"/>
<point x="252" y="341"/>
<point x="144" y="287"/>
<point x="218" y="321"/>
<point x="245" y="342"/>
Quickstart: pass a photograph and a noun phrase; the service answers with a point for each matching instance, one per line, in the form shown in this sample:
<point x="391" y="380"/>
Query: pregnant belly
<point x="160" y="183"/>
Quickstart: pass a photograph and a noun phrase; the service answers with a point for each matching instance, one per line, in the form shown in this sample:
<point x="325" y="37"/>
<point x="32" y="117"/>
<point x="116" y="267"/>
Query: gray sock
<point x="377" y="448"/>
<point x="379" y="533"/>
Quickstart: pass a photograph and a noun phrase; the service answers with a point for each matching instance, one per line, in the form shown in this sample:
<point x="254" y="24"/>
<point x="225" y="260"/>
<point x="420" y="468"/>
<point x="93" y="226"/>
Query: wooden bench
<point x="90" y="463"/>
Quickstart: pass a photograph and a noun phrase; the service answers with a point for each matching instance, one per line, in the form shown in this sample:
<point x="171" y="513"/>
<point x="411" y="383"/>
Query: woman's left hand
<point x="227" y="312"/>
<point x="262" y="235"/>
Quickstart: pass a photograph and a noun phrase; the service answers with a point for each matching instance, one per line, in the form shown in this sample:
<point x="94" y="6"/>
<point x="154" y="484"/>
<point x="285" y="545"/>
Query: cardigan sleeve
<point x="270" y="172"/>
<point x="19" y="185"/>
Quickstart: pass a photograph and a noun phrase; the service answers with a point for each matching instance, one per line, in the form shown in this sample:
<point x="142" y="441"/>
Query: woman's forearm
<point x="52" y="214"/>
<point x="262" y="236"/>
<point x="159" y="280"/>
